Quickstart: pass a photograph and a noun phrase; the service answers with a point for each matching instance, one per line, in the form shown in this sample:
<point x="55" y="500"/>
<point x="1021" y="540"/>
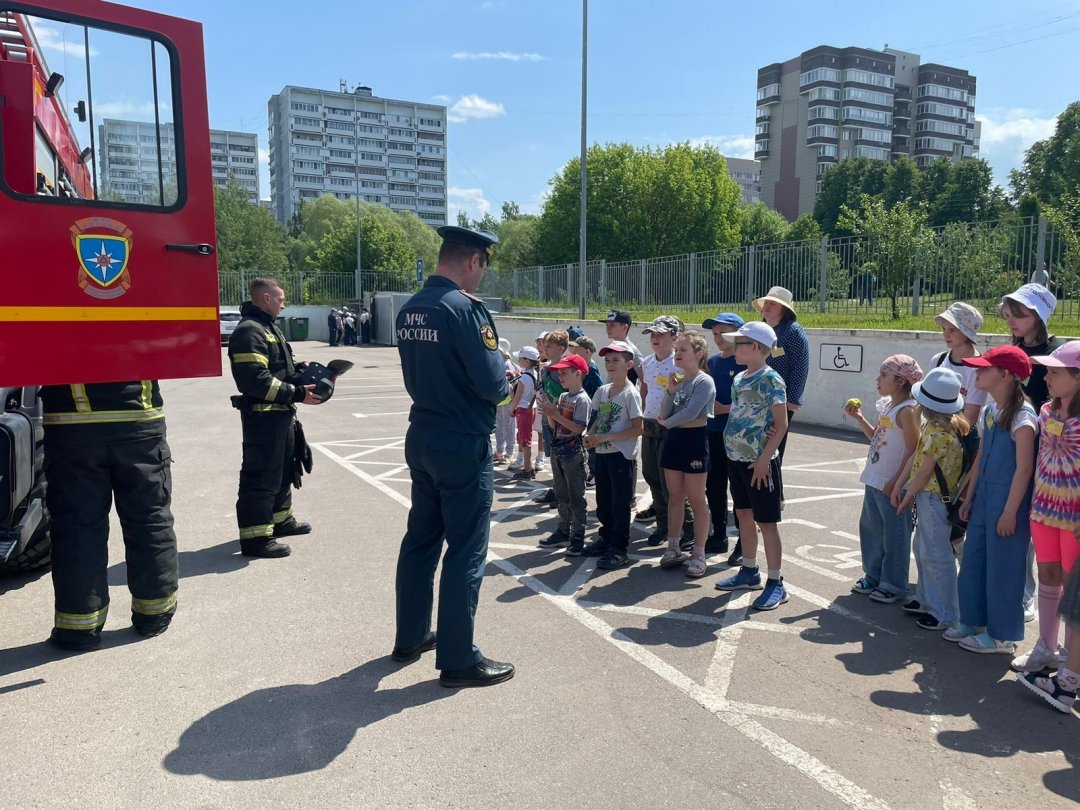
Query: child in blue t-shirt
<point x="722" y="368"/>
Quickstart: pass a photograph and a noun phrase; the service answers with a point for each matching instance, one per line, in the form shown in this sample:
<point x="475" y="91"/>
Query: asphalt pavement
<point x="635" y="688"/>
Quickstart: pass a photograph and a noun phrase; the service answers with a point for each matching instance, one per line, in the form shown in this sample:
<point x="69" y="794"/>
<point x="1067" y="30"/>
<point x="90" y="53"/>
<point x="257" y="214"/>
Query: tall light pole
<point x="356" y="161"/>
<point x="584" y="109"/>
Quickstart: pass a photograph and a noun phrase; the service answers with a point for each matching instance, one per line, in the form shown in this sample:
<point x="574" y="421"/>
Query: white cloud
<point x="1006" y="135"/>
<point x="52" y="40"/>
<point x="470" y="200"/>
<point x="507" y="56"/>
<point x="468" y="107"/>
<point x="442" y="98"/>
<point x="735" y="146"/>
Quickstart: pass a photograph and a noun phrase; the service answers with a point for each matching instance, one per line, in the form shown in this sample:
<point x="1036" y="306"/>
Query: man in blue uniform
<point x="455" y="375"/>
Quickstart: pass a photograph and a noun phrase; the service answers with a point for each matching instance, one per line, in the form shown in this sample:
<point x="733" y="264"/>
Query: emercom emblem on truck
<point x="104" y="247"/>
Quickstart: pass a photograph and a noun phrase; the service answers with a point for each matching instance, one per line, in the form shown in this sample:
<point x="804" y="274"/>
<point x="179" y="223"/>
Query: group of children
<point x="689" y="422"/>
<point x="982" y="455"/>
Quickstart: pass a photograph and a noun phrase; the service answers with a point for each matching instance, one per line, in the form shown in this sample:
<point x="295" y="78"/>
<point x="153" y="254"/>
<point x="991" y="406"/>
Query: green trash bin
<point x="283" y="325"/>
<point x="298" y="328"/>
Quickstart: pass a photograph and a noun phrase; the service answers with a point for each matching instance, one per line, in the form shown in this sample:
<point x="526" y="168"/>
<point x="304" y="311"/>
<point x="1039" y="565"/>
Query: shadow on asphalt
<point x="223" y="558"/>
<point x="293" y="729"/>
<point x="13" y="582"/>
<point x="39" y="653"/>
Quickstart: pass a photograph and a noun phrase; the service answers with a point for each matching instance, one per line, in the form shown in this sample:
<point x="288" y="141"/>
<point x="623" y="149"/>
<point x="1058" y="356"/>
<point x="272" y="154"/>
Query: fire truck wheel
<point x="36" y="555"/>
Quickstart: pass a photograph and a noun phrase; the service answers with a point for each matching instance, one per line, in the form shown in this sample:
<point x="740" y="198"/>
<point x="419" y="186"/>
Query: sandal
<point x="863" y="586"/>
<point x="697" y="567"/>
<point x="673" y="556"/>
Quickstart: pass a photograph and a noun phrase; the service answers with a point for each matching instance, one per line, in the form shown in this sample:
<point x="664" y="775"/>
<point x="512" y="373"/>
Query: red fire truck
<point x="108" y="268"/>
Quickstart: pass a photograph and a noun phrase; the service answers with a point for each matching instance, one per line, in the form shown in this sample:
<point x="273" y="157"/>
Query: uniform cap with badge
<point x="481" y="240"/>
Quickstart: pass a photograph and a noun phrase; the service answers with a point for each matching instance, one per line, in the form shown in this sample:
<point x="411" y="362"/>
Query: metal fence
<point x="893" y="274"/>
<point x="316" y="288"/>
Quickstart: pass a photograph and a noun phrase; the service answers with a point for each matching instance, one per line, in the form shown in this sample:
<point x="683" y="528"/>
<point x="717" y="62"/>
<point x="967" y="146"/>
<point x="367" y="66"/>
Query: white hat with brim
<point x="1036" y="298"/>
<point x="939" y="391"/>
<point x="779" y="295"/>
<point x="758" y="331"/>
<point x="963" y="317"/>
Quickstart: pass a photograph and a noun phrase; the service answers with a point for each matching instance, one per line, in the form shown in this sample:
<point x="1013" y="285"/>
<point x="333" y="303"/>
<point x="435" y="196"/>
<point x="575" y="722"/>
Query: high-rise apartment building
<point x="747" y="173"/>
<point x="390" y="152"/>
<point x="130" y="168"/>
<point x="830" y="103"/>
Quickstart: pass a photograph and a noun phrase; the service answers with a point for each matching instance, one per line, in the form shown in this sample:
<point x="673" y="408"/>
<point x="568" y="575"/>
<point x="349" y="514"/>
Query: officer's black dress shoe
<point x="406" y="655"/>
<point x="264" y="547"/>
<point x="75" y="640"/>
<point x="484" y="672"/>
<point x="291" y="527"/>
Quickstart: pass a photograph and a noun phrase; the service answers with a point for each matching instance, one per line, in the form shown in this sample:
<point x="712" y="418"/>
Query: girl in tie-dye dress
<point x="1055" y="506"/>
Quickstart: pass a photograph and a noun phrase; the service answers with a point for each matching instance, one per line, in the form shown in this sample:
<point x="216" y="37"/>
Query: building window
<point x="871" y="116"/>
<point x="867" y="96"/>
<point x="303" y="106"/>
<point x="824" y="112"/>
<point x="304" y="121"/>
<point x="819" y="75"/>
<point x="824" y="94"/>
<point x="872" y="152"/>
<point x="821" y="131"/>
<point x="768" y="90"/>
<point x="866" y="77"/>
<point x="937" y="144"/>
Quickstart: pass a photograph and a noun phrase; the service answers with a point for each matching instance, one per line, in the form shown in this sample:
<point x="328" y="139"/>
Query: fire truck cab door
<point x="108" y="263"/>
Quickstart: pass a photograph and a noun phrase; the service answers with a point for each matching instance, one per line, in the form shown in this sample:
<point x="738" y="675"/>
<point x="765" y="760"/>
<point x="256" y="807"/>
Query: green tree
<point x="760" y="225"/>
<point x="249" y="240"/>
<point x="315" y="220"/>
<point x="517" y="243"/>
<point x="421" y="237"/>
<point x="511" y="211"/>
<point x="1051" y="169"/>
<point x="895" y="244"/>
<point x="901" y="181"/>
<point x="642" y="202"/>
<point x="846" y="185"/>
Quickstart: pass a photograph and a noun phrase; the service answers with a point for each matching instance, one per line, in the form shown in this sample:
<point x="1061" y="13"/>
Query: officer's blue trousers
<point x="452" y="485"/>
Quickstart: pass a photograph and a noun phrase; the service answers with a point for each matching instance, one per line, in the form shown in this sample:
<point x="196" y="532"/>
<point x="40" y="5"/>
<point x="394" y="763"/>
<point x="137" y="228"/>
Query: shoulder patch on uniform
<point x="470" y="296"/>
<point x="487" y="334"/>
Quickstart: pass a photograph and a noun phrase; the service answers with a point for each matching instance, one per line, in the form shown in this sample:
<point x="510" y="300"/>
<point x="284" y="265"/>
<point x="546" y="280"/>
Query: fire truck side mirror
<point x="80" y="111"/>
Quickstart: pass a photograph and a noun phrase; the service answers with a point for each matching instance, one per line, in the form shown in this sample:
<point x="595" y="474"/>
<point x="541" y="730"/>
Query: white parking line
<point x="734" y="715"/>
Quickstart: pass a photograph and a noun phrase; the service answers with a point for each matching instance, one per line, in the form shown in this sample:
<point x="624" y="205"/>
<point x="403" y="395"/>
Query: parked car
<point x="230" y="317"/>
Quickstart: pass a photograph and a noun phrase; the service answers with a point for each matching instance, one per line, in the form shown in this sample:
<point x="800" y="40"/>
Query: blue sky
<point x="659" y="72"/>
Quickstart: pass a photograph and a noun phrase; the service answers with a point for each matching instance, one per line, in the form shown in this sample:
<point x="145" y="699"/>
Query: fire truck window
<point x="104" y="124"/>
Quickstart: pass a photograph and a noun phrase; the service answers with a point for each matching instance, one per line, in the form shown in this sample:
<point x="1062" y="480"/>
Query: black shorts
<point x="686" y="450"/>
<point x="764" y="501"/>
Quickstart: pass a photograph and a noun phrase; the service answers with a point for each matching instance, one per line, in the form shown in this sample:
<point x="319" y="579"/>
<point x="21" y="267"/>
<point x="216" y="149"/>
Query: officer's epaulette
<point x="470" y="296"/>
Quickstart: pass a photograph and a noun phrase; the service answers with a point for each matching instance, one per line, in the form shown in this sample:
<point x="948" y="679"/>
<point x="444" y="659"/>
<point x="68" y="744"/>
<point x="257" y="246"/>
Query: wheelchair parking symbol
<point x="841" y="357"/>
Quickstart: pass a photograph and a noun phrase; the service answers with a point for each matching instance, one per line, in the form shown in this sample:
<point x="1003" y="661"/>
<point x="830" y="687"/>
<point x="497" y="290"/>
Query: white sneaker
<point x="539" y="465"/>
<point x="1029" y="613"/>
<point x="1036" y="659"/>
<point x="515" y="464"/>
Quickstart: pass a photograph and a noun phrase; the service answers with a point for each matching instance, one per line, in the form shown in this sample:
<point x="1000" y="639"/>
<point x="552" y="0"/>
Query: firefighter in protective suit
<point x="270" y="386"/>
<point x="106" y="440"/>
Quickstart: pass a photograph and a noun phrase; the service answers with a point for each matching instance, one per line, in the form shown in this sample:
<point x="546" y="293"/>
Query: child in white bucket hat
<point x="939" y="457"/>
<point x="1027" y="312"/>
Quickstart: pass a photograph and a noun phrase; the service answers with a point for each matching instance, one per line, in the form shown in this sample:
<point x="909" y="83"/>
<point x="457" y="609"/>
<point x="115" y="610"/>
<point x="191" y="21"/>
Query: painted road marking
<point x="736" y="715"/>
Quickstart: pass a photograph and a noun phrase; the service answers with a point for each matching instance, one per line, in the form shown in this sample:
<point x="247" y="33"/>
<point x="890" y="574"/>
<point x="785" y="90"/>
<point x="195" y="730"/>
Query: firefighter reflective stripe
<point x="251" y="357"/>
<point x="146" y="394"/>
<point x="271" y="337"/>
<point x="153" y="607"/>
<point x="282" y="516"/>
<point x="270" y="408"/>
<point x="272" y="391"/>
<point x="102" y="417"/>
<point x="78" y="396"/>
<point x="81" y="621"/>
<point x="253" y="532"/>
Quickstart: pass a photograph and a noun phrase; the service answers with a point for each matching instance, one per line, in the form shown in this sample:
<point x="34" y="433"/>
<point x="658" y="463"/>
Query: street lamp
<point x="356" y="178"/>
<point x="584" y="108"/>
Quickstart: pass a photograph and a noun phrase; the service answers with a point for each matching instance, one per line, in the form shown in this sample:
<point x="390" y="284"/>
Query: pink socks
<point x="1049" y="621"/>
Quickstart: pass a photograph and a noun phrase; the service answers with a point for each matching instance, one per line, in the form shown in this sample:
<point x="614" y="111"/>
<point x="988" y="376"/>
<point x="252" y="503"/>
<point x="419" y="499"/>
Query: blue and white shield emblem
<point x="103" y="258"/>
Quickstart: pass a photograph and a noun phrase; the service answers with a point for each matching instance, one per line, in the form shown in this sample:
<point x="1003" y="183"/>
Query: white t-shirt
<point x="1025" y="417"/>
<point x="656" y="374"/>
<point x="528" y="388"/>
<point x="887" y="447"/>
<point x="972" y="395"/>
<point x="614" y="415"/>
